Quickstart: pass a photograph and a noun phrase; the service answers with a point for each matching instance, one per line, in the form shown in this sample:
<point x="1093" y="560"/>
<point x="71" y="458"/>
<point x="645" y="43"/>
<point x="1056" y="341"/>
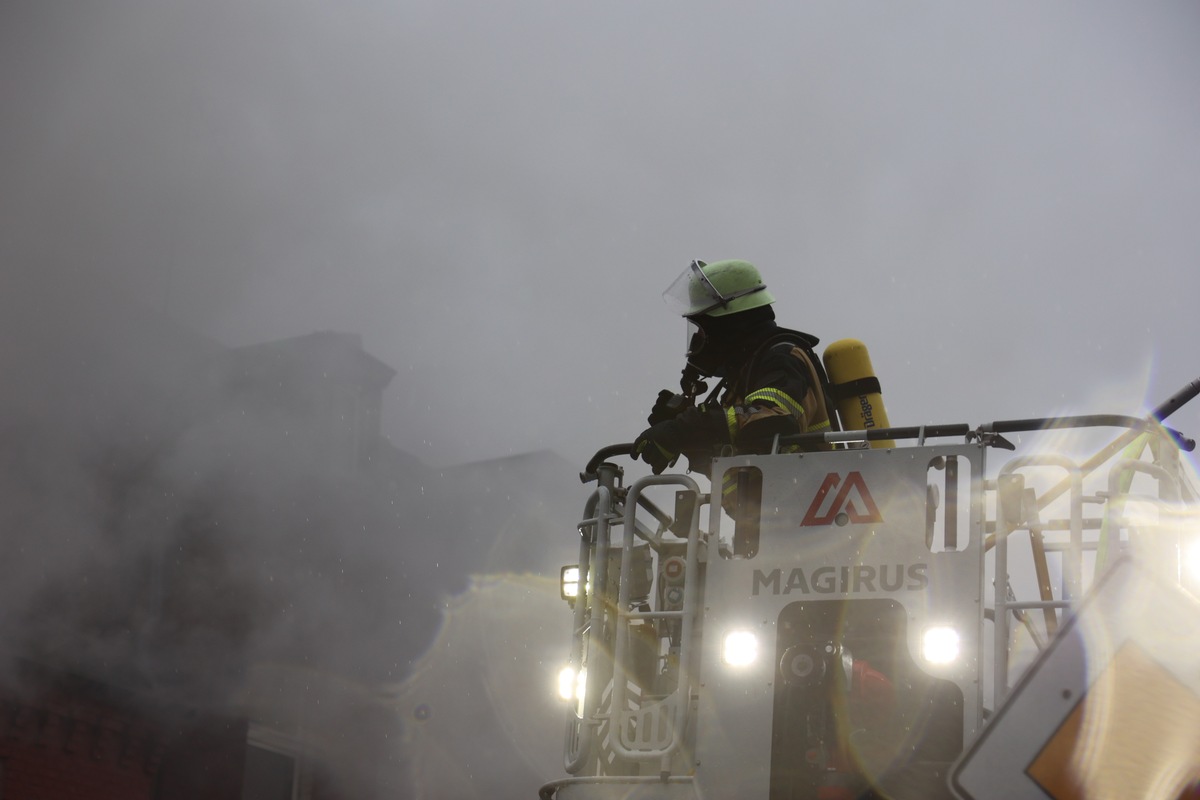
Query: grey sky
<point x="1000" y="199"/>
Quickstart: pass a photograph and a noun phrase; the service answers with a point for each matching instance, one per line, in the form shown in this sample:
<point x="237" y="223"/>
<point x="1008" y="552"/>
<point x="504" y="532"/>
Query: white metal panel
<point x="805" y="554"/>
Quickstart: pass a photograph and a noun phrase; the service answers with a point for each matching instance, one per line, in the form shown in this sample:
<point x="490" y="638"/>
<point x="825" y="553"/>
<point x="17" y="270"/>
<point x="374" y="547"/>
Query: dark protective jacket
<point x="775" y="385"/>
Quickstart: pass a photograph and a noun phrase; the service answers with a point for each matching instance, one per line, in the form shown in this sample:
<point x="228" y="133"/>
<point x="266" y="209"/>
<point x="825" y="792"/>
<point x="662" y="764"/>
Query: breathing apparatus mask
<point x="714" y="343"/>
<point x="703" y="355"/>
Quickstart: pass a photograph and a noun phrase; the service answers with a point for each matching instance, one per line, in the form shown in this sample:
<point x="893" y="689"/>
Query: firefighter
<point x="770" y="380"/>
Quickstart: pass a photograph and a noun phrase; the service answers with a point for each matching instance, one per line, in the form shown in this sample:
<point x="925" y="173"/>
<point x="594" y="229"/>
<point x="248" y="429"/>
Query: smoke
<point x="177" y="523"/>
<point x="492" y="192"/>
<point x="481" y="714"/>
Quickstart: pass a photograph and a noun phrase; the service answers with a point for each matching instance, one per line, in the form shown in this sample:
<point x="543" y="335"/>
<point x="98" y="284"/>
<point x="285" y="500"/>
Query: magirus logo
<point x="856" y="579"/>
<point x="851" y="503"/>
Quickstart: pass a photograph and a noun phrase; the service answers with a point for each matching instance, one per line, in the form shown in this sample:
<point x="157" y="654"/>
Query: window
<point x="741" y="500"/>
<point x="277" y="767"/>
<point x="948" y="504"/>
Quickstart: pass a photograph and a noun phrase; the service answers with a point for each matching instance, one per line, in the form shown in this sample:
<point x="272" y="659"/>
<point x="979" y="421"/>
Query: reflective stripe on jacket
<point x="778" y="392"/>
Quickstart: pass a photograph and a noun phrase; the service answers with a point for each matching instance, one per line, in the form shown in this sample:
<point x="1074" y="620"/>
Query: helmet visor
<point x="692" y="292"/>
<point x="695" y="339"/>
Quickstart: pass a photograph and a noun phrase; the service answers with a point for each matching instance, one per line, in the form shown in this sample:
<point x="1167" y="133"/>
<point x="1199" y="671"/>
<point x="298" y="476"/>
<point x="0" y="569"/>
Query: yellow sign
<point x="1136" y="733"/>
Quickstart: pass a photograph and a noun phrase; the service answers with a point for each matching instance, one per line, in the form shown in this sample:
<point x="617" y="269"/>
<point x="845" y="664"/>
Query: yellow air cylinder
<point x="855" y="388"/>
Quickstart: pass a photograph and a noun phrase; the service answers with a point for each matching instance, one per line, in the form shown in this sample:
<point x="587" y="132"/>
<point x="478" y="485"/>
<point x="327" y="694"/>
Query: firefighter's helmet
<point x="718" y="289"/>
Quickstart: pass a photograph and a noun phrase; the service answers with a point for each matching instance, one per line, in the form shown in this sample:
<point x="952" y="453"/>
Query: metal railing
<point x="1106" y="543"/>
<point x="654" y="731"/>
<point x="636" y="731"/>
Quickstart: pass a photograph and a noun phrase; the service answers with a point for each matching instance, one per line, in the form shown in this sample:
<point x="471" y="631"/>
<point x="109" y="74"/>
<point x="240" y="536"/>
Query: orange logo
<point x="852" y="503"/>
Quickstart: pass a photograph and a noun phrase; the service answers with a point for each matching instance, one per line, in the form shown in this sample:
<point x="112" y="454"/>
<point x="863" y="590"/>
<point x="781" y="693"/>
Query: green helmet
<point x="718" y="289"/>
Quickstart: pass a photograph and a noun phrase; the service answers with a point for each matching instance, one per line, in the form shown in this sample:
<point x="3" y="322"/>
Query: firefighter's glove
<point x="660" y="445"/>
<point x="668" y="406"/>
